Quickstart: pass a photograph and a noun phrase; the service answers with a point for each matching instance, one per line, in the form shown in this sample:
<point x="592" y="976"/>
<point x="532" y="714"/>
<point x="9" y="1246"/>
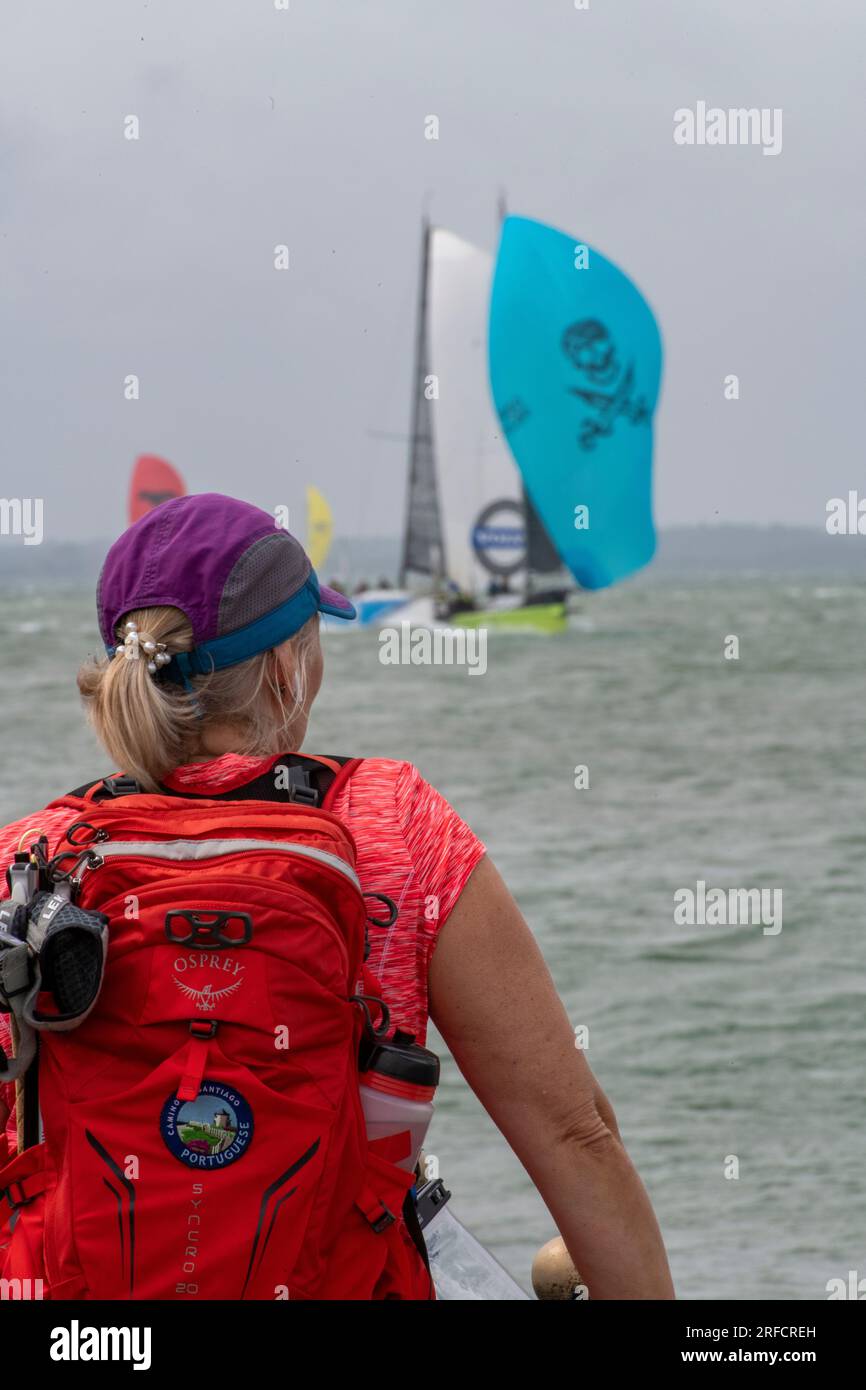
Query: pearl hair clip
<point x="156" y="653"/>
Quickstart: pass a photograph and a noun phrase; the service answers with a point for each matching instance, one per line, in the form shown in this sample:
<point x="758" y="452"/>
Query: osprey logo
<point x="591" y="351"/>
<point x="205" y="996"/>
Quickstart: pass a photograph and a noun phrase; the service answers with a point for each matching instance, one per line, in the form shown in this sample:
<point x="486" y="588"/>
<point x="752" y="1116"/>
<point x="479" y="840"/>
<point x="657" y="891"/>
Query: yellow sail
<point x="320" y="528"/>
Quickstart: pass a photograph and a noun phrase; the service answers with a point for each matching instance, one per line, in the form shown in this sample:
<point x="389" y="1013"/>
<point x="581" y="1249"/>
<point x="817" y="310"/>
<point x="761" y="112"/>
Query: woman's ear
<point x="276" y="675"/>
<point x="280" y="675"/>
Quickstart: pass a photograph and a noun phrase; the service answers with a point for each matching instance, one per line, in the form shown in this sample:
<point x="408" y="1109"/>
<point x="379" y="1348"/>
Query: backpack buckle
<point x="22" y="1201"/>
<point x="308" y="796"/>
<point x="374" y="1211"/>
<point x="120" y="786"/>
<point x="300" y="787"/>
<point x="384" y="1221"/>
<point x="203" y="1027"/>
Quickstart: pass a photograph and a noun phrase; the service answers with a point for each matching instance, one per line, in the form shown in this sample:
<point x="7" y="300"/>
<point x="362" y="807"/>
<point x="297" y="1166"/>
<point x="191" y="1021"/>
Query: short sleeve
<point x="443" y="849"/>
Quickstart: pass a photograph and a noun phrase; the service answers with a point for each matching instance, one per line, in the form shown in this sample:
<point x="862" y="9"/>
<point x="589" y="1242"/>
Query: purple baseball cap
<point x="244" y="583"/>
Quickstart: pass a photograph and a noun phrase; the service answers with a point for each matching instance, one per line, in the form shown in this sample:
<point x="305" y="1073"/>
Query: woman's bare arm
<point x="493" y="1001"/>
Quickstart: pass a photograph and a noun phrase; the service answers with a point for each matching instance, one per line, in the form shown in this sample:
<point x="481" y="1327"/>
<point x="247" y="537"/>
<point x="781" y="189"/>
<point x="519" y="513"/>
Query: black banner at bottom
<point x="59" y="1339"/>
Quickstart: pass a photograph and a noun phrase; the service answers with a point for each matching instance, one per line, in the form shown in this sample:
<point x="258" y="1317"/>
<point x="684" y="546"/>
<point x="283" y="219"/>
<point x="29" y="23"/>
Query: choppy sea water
<point x="711" y="1041"/>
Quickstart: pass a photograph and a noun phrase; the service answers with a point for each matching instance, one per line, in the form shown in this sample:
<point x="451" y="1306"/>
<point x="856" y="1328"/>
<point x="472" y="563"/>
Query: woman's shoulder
<point x="389" y="783"/>
<point x="383" y="773"/>
<point x="385" y="768"/>
<point x="421" y="815"/>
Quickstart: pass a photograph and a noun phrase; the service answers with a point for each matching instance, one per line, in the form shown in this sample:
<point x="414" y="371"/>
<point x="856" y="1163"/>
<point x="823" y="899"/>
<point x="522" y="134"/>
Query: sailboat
<point x="320" y="528"/>
<point x="471" y="533"/>
<point x="511" y="505"/>
<point x="154" y="480"/>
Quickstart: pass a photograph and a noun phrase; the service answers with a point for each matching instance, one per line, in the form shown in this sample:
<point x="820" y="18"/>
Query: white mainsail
<point x="478" y="482"/>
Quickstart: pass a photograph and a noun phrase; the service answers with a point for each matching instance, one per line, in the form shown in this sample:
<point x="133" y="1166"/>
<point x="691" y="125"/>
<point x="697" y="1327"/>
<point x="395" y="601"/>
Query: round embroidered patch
<point x="211" y="1131"/>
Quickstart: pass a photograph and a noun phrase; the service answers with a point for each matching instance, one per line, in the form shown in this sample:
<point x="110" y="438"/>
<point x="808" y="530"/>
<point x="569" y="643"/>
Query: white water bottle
<point x="397" y="1084"/>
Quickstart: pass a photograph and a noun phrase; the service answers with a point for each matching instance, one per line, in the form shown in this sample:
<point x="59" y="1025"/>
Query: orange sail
<point x="153" y="481"/>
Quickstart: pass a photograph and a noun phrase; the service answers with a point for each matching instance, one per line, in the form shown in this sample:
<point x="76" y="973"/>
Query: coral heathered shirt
<point x="411" y="845"/>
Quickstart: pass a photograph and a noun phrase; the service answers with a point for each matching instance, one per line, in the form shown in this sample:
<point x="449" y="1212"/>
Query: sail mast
<point x="421" y="502"/>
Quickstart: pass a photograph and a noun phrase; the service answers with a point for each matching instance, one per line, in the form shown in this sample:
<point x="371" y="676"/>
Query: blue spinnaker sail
<point x="575" y="368"/>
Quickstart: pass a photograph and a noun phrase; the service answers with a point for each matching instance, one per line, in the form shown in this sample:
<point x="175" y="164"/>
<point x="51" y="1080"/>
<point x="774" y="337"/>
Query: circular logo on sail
<point x="499" y="537"/>
<point x="212" y="1131"/>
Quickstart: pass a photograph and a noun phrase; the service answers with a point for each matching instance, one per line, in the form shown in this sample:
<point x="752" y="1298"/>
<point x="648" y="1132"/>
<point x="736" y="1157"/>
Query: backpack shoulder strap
<point x="307" y="779"/>
<point x="115" y="784"/>
<point x="310" y="780"/>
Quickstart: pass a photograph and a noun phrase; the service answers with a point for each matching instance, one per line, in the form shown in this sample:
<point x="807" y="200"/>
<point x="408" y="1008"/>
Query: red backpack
<point x="203" y="1131"/>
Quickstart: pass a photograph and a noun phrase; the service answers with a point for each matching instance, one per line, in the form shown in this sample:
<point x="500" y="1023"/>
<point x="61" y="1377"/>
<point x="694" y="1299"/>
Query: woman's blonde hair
<point x="149" y="724"/>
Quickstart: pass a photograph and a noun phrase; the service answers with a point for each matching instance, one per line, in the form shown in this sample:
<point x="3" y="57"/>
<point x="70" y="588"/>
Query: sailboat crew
<point x="231" y="925"/>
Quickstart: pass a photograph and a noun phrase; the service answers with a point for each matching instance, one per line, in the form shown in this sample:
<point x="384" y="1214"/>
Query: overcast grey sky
<point x="306" y="127"/>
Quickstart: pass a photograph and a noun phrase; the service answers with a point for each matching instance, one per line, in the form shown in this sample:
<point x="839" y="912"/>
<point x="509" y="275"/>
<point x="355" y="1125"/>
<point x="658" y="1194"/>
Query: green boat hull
<point x="540" y="617"/>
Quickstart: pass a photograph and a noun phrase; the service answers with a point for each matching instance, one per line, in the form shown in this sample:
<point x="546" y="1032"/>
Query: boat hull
<point x="541" y="617"/>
